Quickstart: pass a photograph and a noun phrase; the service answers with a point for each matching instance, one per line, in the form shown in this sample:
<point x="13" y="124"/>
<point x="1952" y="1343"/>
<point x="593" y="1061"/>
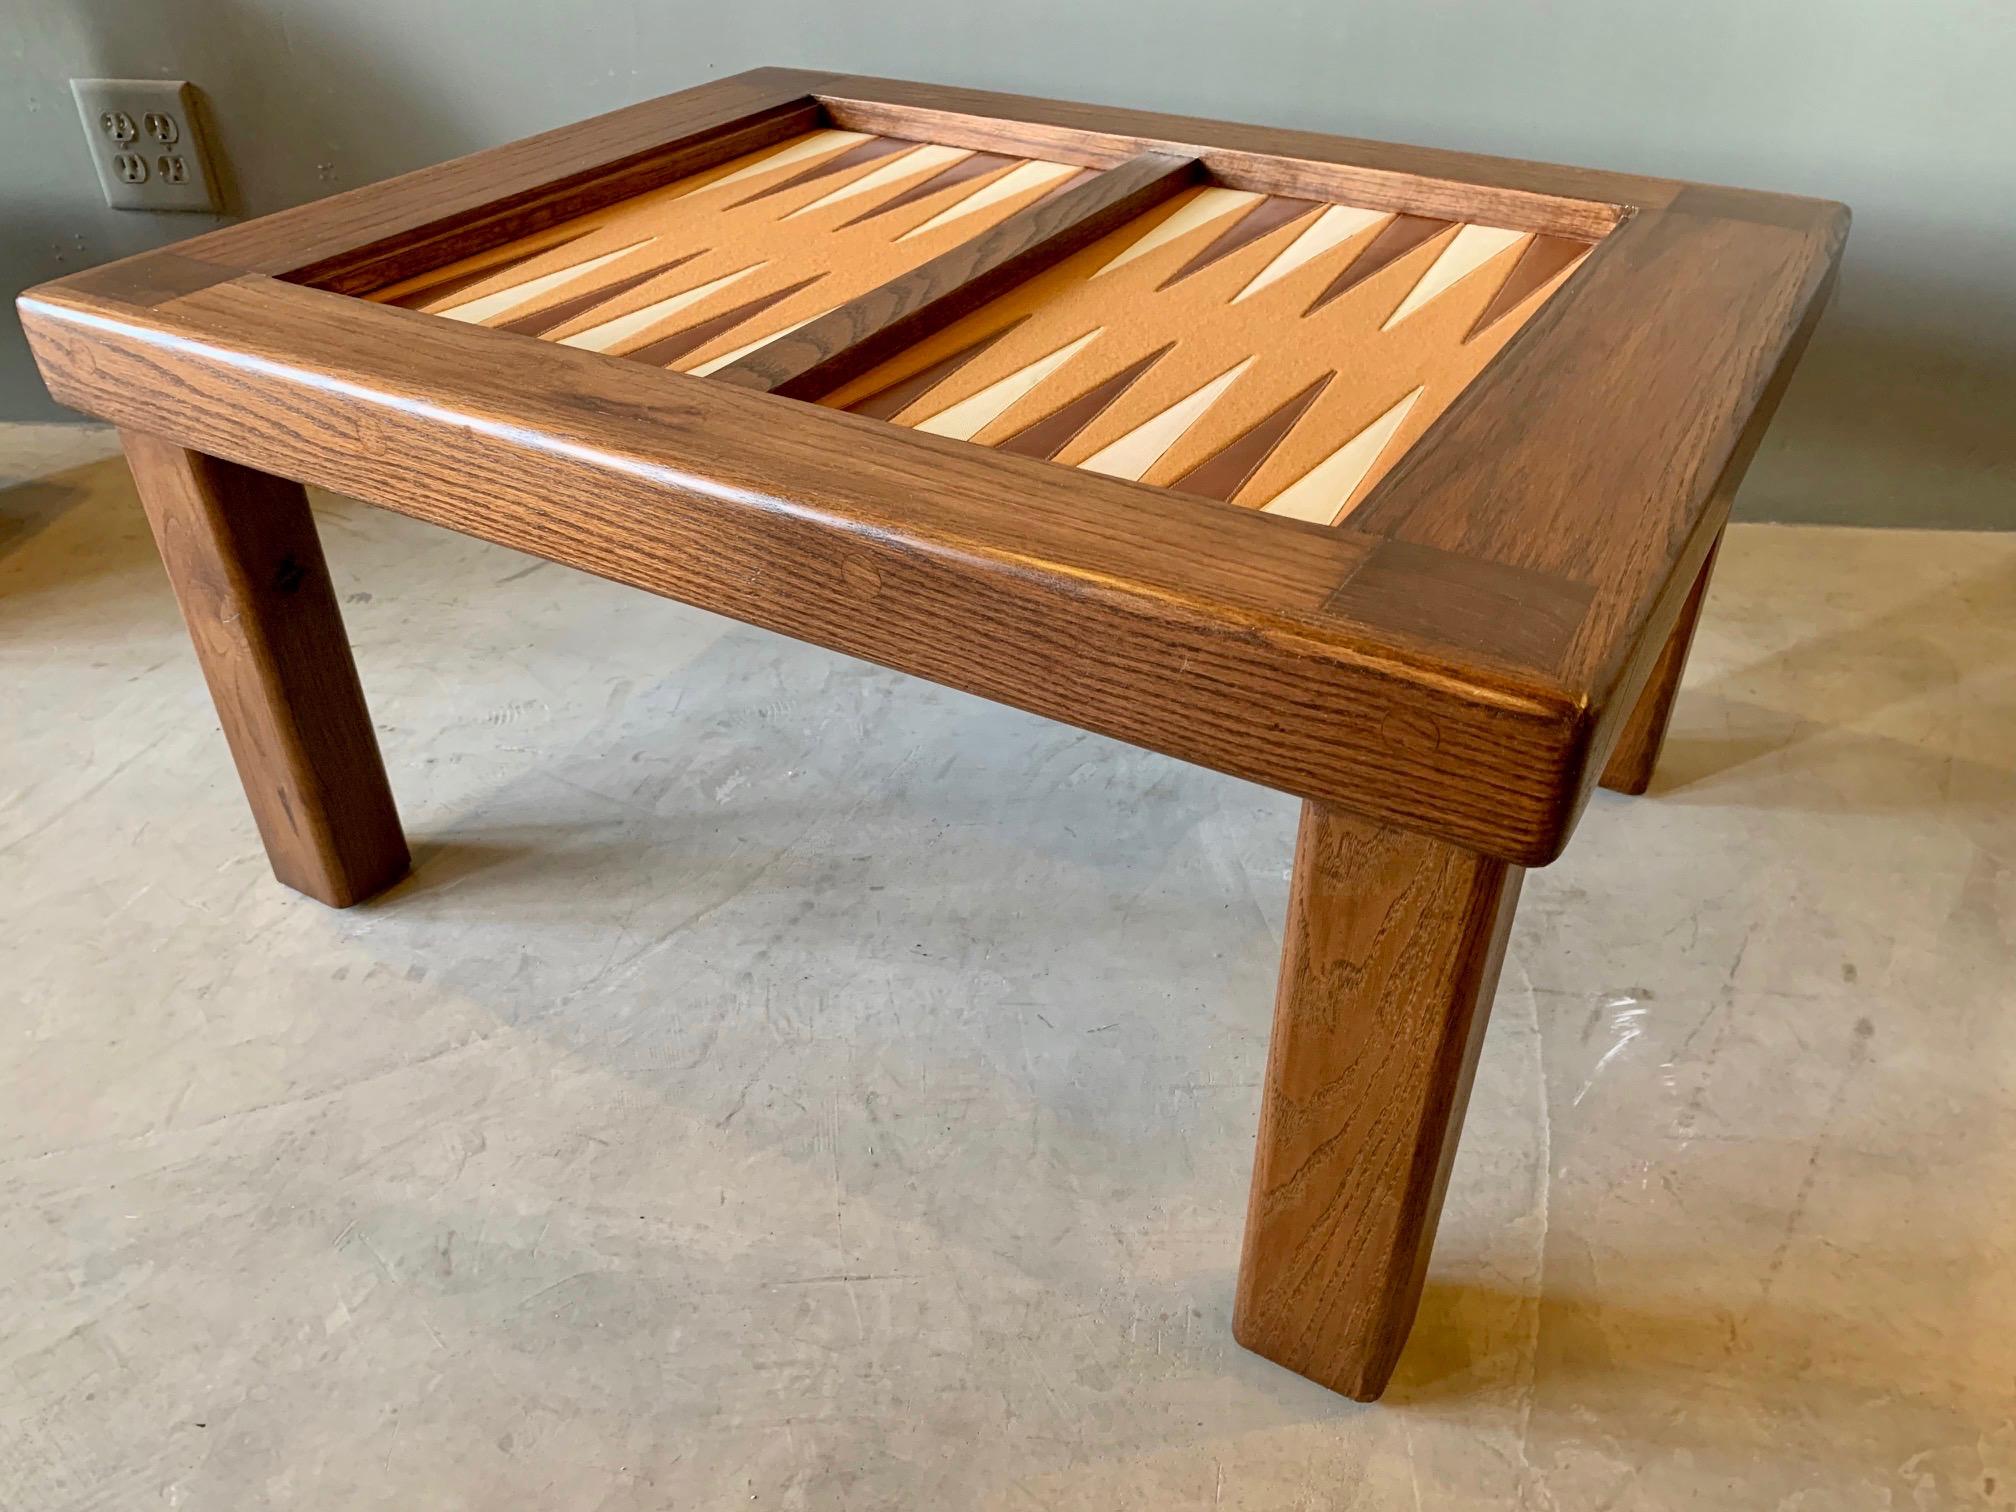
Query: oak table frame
<point x="1443" y="676"/>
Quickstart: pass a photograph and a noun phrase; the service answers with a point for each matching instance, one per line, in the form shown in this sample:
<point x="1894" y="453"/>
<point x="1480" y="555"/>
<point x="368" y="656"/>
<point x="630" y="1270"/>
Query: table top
<point x="1264" y="349"/>
<point x="1372" y="473"/>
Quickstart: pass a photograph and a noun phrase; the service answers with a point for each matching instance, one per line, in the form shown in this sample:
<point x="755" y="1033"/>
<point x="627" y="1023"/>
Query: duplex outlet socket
<point x="147" y="144"/>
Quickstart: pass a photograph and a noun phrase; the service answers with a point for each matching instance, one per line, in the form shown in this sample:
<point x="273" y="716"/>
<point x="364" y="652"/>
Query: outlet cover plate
<point x="147" y="143"/>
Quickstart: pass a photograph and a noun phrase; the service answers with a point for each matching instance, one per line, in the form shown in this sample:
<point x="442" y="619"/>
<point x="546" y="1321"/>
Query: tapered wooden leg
<point x="1391" y="957"/>
<point x="1637" y="750"/>
<point x="247" y="567"/>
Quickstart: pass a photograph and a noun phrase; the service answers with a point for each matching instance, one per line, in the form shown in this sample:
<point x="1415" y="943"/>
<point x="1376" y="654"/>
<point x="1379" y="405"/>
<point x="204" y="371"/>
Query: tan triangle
<point x="1470" y="249"/>
<point x="974" y="413"/>
<point x="1020" y="180"/>
<point x="612" y="333"/>
<point x="488" y="307"/>
<point x="441" y="285"/>
<point x="1202" y="207"/>
<point x="973" y="165"/>
<point x="575" y="306"/>
<point x="859" y="156"/>
<point x="1137" y="451"/>
<point x="895" y="171"/>
<point x="790" y="152"/>
<point x="1332" y="228"/>
<point x="1321" y="493"/>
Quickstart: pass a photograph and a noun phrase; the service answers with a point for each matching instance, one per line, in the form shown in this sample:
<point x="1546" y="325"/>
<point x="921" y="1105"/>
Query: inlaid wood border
<point x="1457" y="659"/>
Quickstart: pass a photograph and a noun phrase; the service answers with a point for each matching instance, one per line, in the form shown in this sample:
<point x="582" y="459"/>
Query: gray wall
<point x="1905" y="412"/>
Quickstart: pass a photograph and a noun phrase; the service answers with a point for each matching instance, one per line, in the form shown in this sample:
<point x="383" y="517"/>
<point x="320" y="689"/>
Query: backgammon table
<point x="1387" y="477"/>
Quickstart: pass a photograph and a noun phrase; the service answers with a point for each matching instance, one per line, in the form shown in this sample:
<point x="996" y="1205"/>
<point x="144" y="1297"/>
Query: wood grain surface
<point x="1388" y="966"/>
<point x="247" y="568"/>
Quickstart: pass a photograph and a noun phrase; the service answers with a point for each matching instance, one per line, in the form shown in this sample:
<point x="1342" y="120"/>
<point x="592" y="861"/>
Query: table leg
<point x="247" y="568"/>
<point x="1388" y="967"/>
<point x="1637" y="750"/>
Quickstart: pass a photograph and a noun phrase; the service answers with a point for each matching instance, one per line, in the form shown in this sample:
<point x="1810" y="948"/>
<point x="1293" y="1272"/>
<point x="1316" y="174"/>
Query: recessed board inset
<point x="1258" y="349"/>
<point x="703" y="271"/>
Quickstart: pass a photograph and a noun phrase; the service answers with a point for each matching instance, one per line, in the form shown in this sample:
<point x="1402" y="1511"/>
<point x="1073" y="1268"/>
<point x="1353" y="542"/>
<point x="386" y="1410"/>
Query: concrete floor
<point x="786" y="1084"/>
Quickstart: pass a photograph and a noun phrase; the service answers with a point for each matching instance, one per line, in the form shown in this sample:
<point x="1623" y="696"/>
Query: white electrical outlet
<point x="147" y="143"/>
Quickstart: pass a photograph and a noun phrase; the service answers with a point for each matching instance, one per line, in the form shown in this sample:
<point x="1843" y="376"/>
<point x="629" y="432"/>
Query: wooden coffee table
<point x="1384" y="476"/>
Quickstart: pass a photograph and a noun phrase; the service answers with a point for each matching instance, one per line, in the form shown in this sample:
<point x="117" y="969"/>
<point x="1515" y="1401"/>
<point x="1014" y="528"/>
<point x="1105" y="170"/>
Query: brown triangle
<point x="542" y="321"/>
<point x="1401" y="235"/>
<point x="667" y="350"/>
<point x="1543" y="258"/>
<point x="1222" y="474"/>
<point x="967" y="168"/>
<point x="853" y="157"/>
<point x="888" y="403"/>
<point x="1050" y="435"/>
<point x="1270" y="214"/>
<point x="448" y="287"/>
